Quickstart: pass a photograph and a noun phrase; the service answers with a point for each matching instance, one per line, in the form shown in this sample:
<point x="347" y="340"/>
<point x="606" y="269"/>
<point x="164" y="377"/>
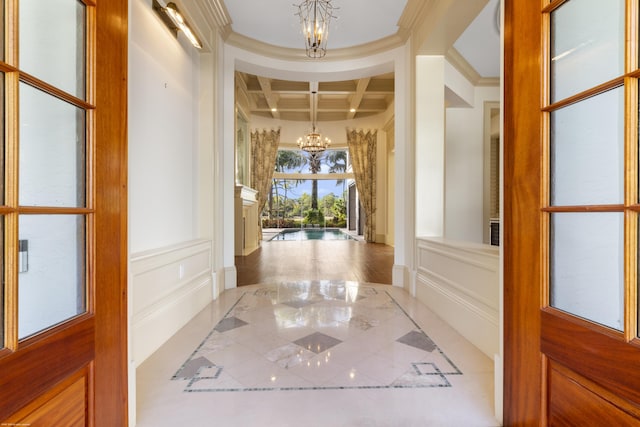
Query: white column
<point x="381" y="187"/>
<point x="430" y="145"/>
<point x="404" y="180"/>
<point x="206" y="189"/>
<point x="226" y="164"/>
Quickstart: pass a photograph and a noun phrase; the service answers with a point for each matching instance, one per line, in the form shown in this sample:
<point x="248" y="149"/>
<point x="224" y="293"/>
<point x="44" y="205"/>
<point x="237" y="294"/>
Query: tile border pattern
<point x="425" y="379"/>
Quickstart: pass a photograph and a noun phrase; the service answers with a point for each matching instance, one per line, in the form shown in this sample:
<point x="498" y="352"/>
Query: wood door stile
<point x="111" y="366"/>
<point x="522" y="201"/>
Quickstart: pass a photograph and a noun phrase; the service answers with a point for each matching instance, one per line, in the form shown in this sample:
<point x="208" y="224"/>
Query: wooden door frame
<point x="536" y="336"/>
<point x="523" y="127"/>
<point x="111" y="361"/>
<point x="39" y="369"/>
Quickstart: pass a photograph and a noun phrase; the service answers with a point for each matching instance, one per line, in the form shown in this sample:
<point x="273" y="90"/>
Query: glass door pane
<point x="52" y="151"/>
<point x="51" y="287"/>
<point x="2" y="193"/>
<point x="52" y="43"/>
<point x="587" y="45"/>
<point x="2" y="30"/>
<point x="587" y="151"/>
<point x="586" y="266"/>
<point x="2" y="288"/>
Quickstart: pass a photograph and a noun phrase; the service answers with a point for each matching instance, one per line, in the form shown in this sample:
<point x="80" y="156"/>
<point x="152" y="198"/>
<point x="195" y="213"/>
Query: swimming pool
<point x="312" y="234"/>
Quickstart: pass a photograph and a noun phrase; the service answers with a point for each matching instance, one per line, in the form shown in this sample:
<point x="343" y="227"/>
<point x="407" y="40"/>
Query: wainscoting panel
<point x="169" y="287"/>
<point x="460" y="283"/>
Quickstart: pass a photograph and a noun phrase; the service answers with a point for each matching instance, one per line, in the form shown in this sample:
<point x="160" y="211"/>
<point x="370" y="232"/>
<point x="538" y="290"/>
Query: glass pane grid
<point x="587" y="162"/>
<point x="48" y="277"/>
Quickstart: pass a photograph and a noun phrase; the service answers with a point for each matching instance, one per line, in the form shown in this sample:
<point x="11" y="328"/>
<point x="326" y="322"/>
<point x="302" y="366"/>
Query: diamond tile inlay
<point x="229" y="323"/>
<point x="419" y="340"/>
<point x="191" y="368"/>
<point x="317" y="342"/>
<point x="334" y="321"/>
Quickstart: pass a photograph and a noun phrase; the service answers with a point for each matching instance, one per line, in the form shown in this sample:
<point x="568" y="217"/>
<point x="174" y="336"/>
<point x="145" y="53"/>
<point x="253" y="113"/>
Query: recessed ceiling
<point x="358" y="23"/>
<point x="274" y="21"/>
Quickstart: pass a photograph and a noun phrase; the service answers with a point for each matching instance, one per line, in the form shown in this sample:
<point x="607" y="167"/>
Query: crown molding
<point x="277" y="52"/>
<point x="457" y="60"/>
<point x="206" y="17"/>
<point x="489" y="81"/>
<point x="462" y="65"/>
<point x="413" y="13"/>
<point x="219" y="13"/>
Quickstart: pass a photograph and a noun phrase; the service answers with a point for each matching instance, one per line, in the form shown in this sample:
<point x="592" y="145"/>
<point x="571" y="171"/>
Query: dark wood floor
<point x="281" y="261"/>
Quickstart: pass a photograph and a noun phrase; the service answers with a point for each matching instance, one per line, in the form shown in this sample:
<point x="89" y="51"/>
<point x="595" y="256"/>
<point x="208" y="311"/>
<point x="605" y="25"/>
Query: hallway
<point x="317" y="353"/>
<point x="278" y="261"/>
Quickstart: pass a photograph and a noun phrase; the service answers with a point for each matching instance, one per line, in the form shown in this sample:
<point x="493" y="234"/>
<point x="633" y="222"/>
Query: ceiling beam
<point x="313" y="101"/>
<point x="270" y="97"/>
<point x="361" y="87"/>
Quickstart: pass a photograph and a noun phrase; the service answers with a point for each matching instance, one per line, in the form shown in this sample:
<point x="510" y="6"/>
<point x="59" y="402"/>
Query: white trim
<point x="311" y="176"/>
<point x="169" y="286"/>
<point x="460" y="283"/>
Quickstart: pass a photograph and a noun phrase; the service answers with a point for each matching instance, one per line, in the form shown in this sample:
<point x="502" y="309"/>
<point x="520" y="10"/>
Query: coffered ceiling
<point x="331" y="101"/>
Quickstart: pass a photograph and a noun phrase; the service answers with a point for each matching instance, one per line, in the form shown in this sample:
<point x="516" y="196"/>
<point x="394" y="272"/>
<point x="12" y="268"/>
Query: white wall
<point x="171" y="179"/>
<point x="464" y="168"/>
<point x="429" y="144"/>
<point x="163" y="124"/>
<point x="391" y="173"/>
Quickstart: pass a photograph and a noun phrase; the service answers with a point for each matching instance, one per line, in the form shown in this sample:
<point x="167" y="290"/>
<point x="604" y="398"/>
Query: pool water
<point x="312" y="234"/>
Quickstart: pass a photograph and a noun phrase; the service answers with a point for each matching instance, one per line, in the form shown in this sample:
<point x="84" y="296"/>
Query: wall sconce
<point x="174" y="20"/>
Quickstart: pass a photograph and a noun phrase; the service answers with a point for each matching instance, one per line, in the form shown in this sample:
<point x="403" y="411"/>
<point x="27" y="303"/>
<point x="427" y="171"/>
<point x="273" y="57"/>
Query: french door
<point x="63" y="212"/>
<point x="572" y="353"/>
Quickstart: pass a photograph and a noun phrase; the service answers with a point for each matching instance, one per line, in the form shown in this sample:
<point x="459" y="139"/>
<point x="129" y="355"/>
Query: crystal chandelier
<point x="315" y="16"/>
<point x="313" y="142"/>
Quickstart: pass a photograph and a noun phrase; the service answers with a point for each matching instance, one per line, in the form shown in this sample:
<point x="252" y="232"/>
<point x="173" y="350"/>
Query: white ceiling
<point x="274" y="21"/>
<point x="360" y="22"/>
<point x="479" y="44"/>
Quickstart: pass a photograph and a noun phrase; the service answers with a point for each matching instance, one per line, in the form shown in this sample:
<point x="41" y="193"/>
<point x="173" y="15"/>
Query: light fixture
<point x="174" y="20"/>
<point x="315" y="16"/>
<point x="313" y="142"/>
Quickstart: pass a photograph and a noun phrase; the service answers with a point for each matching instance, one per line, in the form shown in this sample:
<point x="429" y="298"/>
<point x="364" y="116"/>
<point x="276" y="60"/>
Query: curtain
<point x="362" y="149"/>
<point x="264" y="151"/>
